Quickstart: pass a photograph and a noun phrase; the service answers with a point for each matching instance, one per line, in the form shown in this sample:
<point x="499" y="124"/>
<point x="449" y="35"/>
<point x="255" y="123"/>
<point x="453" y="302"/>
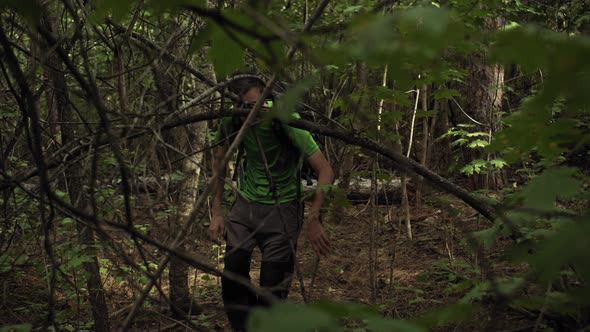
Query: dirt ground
<point x="411" y="277"/>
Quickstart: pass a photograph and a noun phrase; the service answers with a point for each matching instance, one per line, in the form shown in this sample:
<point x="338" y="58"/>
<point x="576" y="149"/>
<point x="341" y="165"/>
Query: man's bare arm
<point x="315" y="230"/>
<point x="322" y="168"/>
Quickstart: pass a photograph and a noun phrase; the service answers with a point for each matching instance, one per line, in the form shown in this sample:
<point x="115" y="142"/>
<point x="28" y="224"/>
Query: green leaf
<point x="290" y="102"/>
<point x="28" y="8"/>
<point x="383" y="92"/>
<point x="511" y="285"/>
<point x="542" y="191"/>
<point x="116" y="8"/>
<point x="177" y="176"/>
<point x="426" y="114"/>
<point x="290" y="318"/>
<point x="225" y="53"/>
<point x="195" y="3"/>
<point x="445" y="94"/>
<point x="460" y="142"/>
<point x="412" y="289"/>
<point x="478" y="143"/>
<point x="454" y="133"/>
<point x="9" y="112"/>
<point x="379" y="324"/>
<point x="446" y="315"/>
<point x="498" y="163"/>
<point x="477" y="293"/>
<point x="527" y="130"/>
<point x="488" y="236"/>
<point x="172" y="6"/>
<point x="391" y="96"/>
<point x="467" y="170"/>
<point x="78" y="261"/>
<point x="17" y="328"/>
<point x="419" y="299"/>
<point x="340" y="310"/>
<point x="203" y="37"/>
<point x="476" y="166"/>
<point x="568" y="247"/>
<point x="144" y="280"/>
<point x="67" y="221"/>
<point x="391" y="117"/>
<point x="511" y="25"/>
<point x="21" y="260"/>
<point x="353" y="9"/>
<point x="477" y="134"/>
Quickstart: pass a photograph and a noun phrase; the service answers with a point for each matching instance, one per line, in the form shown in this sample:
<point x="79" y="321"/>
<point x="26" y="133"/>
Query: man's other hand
<point x="216" y="228"/>
<point x="317" y="236"/>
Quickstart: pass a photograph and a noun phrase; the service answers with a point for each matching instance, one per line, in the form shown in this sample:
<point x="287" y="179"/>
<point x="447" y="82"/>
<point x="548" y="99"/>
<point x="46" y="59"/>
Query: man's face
<point x="251" y="96"/>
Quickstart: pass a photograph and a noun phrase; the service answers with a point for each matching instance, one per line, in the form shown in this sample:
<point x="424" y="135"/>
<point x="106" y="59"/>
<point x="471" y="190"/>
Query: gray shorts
<point x="274" y="228"/>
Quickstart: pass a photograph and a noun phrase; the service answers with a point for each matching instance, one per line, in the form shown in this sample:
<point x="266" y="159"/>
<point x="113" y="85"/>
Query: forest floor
<point x="423" y="274"/>
<point x="426" y="273"/>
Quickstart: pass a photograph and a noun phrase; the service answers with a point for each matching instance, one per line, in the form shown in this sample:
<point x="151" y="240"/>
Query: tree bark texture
<point x="484" y="90"/>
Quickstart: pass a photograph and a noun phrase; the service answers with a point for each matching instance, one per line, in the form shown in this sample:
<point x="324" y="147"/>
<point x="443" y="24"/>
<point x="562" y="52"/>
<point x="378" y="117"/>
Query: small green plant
<point x="204" y="320"/>
<point x="458" y="275"/>
<point x="17" y="328"/>
<point x="464" y="137"/>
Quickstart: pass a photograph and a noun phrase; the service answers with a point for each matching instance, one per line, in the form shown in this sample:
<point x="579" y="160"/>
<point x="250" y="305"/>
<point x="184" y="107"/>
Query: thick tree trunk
<point x="60" y="111"/>
<point x="484" y="104"/>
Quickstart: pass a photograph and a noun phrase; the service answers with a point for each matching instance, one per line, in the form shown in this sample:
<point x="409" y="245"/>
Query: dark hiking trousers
<point x="274" y="229"/>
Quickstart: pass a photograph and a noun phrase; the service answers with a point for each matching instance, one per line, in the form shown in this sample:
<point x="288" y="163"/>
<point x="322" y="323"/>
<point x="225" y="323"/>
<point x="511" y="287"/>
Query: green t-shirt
<point x="283" y="162"/>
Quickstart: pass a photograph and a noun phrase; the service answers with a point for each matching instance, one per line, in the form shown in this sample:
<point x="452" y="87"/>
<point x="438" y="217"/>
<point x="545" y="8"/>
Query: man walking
<point x="268" y="211"/>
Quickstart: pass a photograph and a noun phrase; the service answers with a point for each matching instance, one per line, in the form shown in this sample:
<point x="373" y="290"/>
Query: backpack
<point x="306" y="172"/>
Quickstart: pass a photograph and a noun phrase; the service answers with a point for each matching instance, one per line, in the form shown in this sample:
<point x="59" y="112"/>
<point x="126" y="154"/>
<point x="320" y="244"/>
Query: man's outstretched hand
<point x="216" y="228"/>
<point x="317" y="236"/>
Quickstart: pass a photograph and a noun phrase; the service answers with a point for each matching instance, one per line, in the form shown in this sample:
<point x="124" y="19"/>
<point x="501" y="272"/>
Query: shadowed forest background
<point x="458" y="131"/>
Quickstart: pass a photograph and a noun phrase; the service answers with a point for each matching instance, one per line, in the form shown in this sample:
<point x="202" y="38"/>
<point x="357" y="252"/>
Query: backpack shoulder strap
<point x="236" y="125"/>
